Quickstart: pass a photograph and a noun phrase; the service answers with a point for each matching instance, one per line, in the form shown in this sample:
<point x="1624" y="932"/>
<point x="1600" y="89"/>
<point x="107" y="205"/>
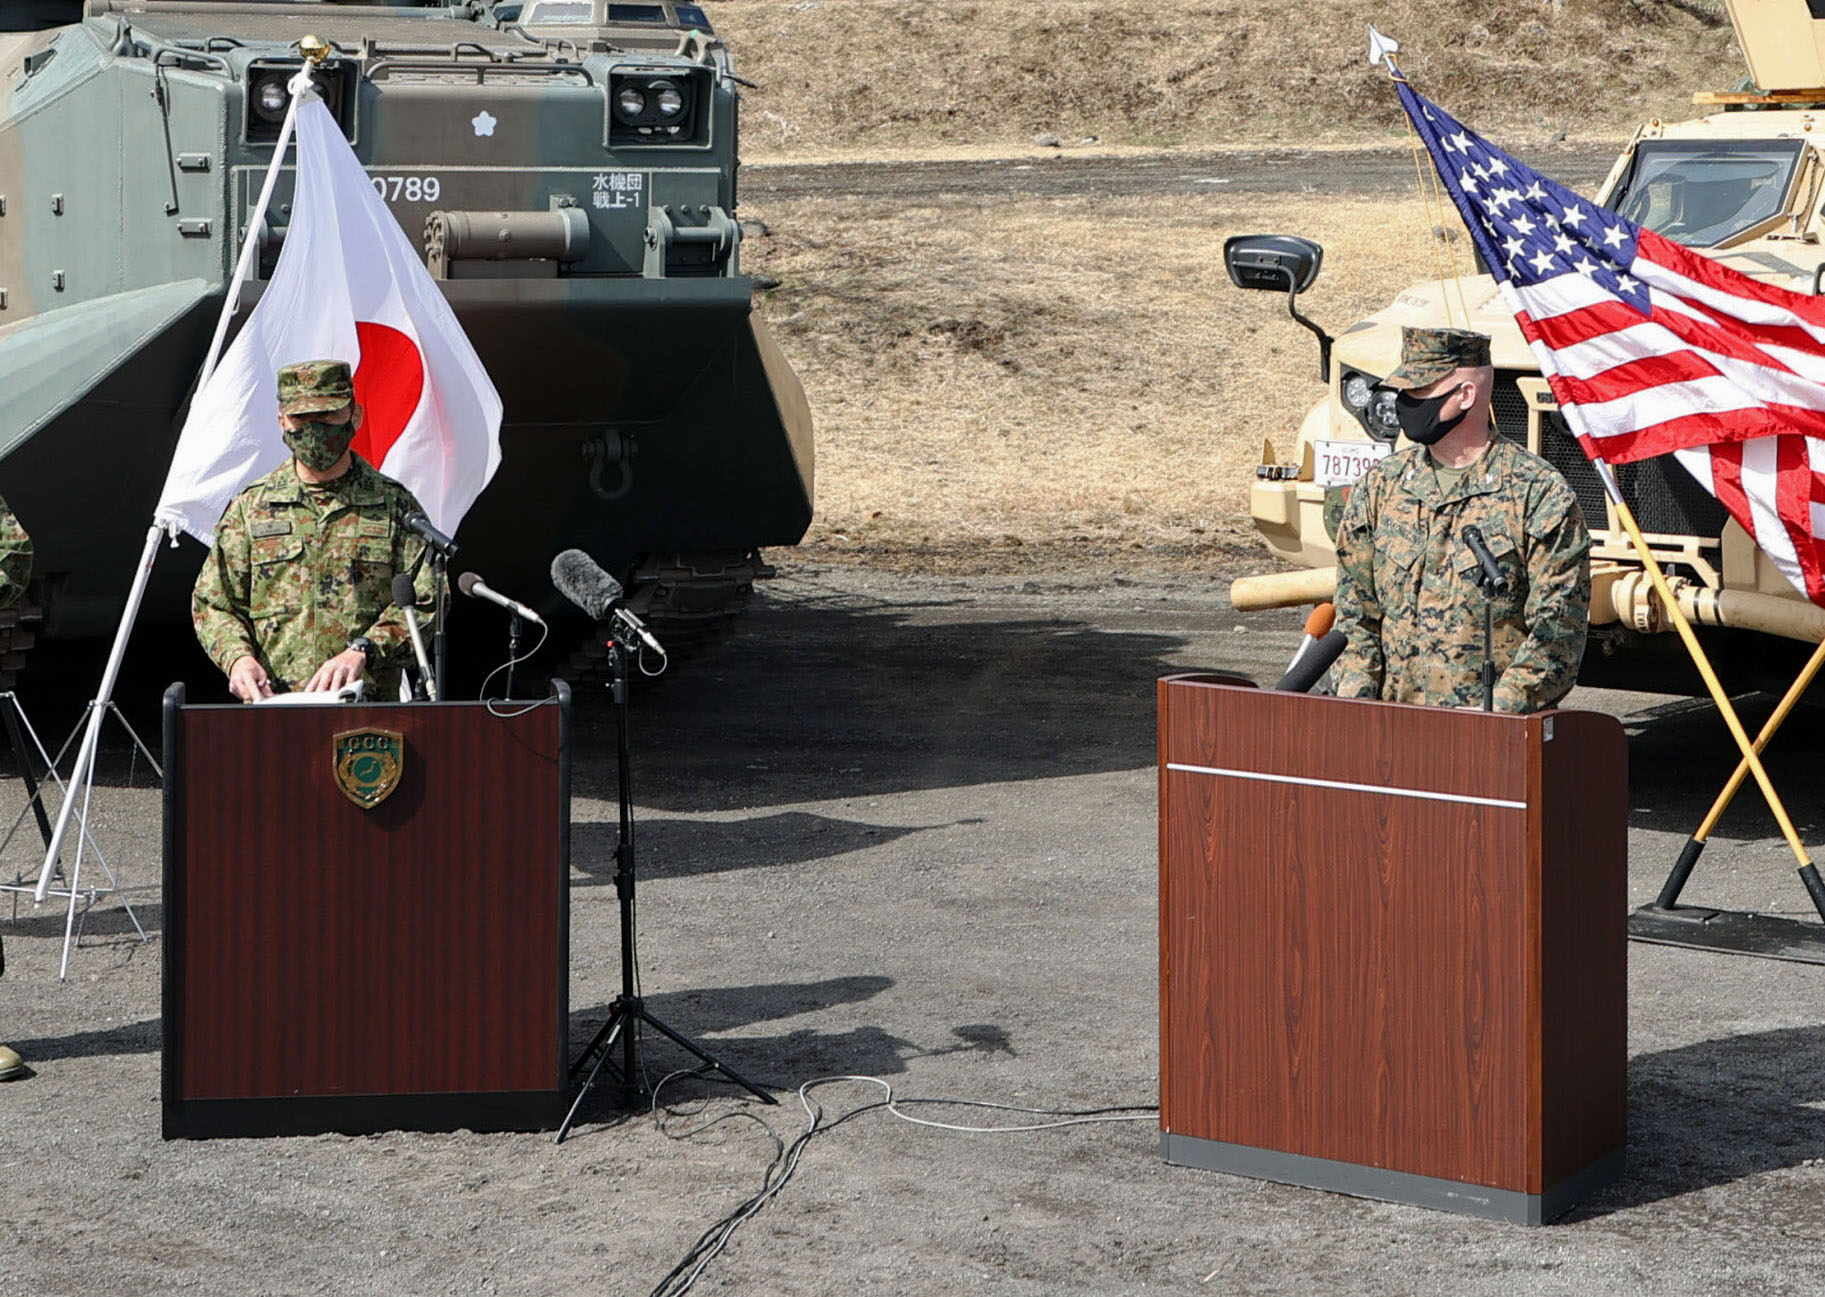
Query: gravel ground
<point x="904" y="827"/>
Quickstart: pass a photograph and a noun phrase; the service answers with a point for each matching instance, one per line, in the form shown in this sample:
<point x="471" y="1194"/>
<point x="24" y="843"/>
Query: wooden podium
<point x="1392" y="947"/>
<point x="333" y="966"/>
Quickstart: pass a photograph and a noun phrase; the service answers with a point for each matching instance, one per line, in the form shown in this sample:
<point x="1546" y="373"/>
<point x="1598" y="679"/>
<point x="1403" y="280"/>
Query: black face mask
<point x="1418" y="416"/>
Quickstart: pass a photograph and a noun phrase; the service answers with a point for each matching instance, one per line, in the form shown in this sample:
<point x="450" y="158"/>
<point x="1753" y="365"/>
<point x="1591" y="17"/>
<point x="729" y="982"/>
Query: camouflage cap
<point x="313" y="386"/>
<point x="1427" y="355"/>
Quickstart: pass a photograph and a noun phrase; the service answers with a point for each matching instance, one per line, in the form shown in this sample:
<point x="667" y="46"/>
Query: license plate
<point x="1341" y="463"/>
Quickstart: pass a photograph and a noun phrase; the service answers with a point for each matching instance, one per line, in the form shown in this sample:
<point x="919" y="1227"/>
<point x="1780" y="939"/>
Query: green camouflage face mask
<point x="318" y="445"/>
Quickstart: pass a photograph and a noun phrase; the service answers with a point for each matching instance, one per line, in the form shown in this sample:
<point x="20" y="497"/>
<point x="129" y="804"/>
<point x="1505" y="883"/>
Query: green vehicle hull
<point x="649" y="419"/>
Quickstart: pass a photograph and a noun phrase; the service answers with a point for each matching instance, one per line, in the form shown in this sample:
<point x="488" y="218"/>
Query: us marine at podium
<point x="1458" y="524"/>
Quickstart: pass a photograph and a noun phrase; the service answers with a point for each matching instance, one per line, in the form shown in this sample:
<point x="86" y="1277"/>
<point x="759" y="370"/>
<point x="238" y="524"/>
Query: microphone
<point x="1493" y="576"/>
<point x="580" y="579"/>
<point x="476" y="588"/>
<point x="416" y="521"/>
<point x="407" y="598"/>
<point x="1317" y="625"/>
<point x="1304" y="673"/>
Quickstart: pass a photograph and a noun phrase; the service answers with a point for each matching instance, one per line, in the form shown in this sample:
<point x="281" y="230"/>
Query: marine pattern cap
<point x="313" y="386"/>
<point x="1427" y="355"/>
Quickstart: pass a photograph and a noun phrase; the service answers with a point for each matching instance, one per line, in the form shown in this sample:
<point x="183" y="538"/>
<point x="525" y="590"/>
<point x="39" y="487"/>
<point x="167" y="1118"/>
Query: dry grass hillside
<point x="845" y="75"/>
<point x="1040" y="383"/>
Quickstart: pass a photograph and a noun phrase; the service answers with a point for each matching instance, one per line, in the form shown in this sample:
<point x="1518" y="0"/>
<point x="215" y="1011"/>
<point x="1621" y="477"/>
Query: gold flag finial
<point x="314" y="48"/>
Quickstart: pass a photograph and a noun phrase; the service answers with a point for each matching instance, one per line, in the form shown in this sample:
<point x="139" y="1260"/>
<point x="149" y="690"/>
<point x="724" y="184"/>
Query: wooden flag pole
<point x="1682" y="868"/>
<point x="1809" y="873"/>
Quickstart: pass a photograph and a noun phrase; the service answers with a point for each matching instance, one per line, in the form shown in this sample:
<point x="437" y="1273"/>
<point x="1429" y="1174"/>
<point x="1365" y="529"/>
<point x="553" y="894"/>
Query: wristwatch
<point x="366" y="646"/>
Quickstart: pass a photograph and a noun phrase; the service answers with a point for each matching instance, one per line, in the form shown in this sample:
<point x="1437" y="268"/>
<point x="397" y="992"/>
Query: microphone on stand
<point x="476" y="588"/>
<point x="1493" y="576"/>
<point x="407" y="598"/>
<point x="416" y="521"/>
<point x="580" y="579"/>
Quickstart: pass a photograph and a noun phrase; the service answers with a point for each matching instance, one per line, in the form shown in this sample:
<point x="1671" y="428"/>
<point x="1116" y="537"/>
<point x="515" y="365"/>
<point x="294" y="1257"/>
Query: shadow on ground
<point x="1719" y="1111"/>
<point x="1681" y="755"/>
<point x="673" y="848"/>
<point x="827" y="699"/>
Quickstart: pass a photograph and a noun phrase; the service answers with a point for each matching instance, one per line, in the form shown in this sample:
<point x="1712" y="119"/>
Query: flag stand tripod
<point x="1666" y="922"/>
<point x="53" y="882"/>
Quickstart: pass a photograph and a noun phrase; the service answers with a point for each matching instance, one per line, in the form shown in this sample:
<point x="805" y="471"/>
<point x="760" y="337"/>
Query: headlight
<point x="270" y="98"/>
<point x="267" y="98"/>
<point x="657" y="107"/>
<point x="1372" y="404"/>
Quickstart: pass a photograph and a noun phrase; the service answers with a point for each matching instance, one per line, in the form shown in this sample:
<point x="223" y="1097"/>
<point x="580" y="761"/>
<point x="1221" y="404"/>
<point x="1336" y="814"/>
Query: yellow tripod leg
<point x="1809" y="874"/>
<point x="1682" y="869"/>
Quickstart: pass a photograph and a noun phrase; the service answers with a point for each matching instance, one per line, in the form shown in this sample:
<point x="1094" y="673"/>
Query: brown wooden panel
<point x="329" y="950"/>
<point x="1352" y="989"/>
<point x="1409" y="983"/>
<point x="1583" y="943"/>
<point x="1329" y="738"/>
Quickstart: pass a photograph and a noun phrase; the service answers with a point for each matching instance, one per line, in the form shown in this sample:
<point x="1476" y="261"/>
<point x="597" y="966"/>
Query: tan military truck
<point x="1746" y="184"/>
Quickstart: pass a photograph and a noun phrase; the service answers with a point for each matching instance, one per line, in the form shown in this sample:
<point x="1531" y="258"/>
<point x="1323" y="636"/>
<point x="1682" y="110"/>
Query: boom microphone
<point x="476" y="588"/>
<point x="1304" y="673"/>
<point x="416" y="521"/>
<point x="1493" y="576"/>
<point x="580" y="579"/>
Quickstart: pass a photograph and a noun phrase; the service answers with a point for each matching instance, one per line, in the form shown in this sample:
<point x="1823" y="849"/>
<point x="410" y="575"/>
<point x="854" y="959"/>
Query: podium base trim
<point x="1360" y="1181"/>
<point x="364" y="1114"/>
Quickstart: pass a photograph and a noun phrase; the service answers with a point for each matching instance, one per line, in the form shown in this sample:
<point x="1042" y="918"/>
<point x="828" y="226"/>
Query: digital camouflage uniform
<point x="1407" y="599"/>
<point x="15" y="557"/>
<point x="299" y="569"/>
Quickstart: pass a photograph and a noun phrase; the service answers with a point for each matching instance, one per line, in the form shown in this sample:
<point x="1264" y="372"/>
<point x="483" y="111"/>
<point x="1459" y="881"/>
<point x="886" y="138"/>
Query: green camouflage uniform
<point x="299" y="569"/>
<point x="1406" y="596"/>
<point x="15" y="557"/>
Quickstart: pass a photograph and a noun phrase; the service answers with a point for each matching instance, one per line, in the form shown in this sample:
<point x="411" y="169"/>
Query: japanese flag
<point x="348" y="286"/>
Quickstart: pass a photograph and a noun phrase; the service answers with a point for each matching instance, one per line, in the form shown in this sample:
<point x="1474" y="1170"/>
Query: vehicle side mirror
<point x="1283" y="263"/>
<point x="1277" y="262"/>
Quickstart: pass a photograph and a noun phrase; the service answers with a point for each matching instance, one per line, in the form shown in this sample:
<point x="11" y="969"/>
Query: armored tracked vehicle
<point x="570" y="167"/>
<point x="1745" y="184"/>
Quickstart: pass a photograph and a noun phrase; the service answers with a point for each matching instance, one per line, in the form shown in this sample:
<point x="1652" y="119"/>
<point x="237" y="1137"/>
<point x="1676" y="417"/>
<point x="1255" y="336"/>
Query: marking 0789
<point x="413" y="189"/>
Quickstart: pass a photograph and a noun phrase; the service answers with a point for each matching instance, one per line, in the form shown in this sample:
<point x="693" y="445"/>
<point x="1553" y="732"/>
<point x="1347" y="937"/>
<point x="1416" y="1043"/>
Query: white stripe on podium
<point x="1348" y="787"/>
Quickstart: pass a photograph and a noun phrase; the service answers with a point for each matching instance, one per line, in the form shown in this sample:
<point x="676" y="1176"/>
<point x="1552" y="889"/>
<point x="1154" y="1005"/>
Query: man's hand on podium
<point x="343" y="669"/>
<point x="247" y="679"/>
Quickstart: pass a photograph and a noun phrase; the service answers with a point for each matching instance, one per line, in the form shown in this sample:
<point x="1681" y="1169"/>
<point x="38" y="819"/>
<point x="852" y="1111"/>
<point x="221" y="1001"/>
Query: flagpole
<point x="1809" y="873"/>
<point x="82" y="773"/>
<point x="1682" y="868"/>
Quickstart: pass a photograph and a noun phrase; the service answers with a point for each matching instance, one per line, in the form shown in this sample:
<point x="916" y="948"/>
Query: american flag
<point x="1651" y="348"/>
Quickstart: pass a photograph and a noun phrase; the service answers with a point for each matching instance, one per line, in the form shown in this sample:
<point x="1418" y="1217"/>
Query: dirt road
<point x="904" y="827"/>
<point x="1062" y="174"/>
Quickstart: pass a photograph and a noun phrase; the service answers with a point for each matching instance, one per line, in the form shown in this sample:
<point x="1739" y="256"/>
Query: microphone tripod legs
<point x="629" y="1011"/>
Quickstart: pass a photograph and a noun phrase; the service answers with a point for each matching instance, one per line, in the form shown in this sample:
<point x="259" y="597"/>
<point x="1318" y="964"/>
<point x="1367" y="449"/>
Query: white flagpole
<point x="82" y="773"/>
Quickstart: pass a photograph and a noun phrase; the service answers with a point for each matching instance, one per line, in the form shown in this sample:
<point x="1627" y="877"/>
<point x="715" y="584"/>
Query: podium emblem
<point x="368" y="764"/>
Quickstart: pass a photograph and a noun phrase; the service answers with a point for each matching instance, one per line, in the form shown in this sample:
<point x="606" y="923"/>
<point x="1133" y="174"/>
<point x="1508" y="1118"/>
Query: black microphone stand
<point x="1488" y="642"/>
<point x="513" y="647"/>
<point x="629" y="1010"/>
<point x="440" y="598"/>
